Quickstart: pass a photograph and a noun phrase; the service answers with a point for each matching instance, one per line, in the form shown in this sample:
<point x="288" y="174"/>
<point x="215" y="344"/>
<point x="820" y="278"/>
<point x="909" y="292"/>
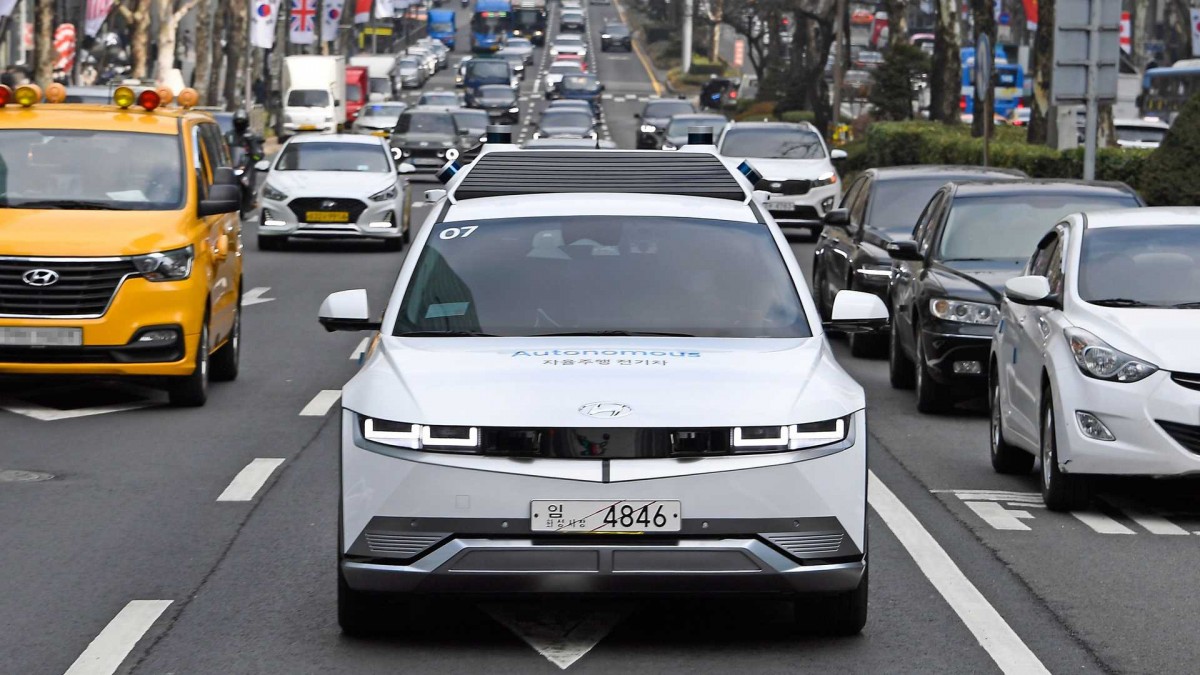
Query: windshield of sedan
<point x="679" y="127"/>
<point x="488" y="68"/>
<point x="432" y="123"/>
<point x="617" y="30"/>
<point x="1141" y="266"/>
<point x="897" y="204"/>
<point x="1008" y="227"/>
<point x="772" y="143"/>
<point x="568" y="40"/>
<point x="564" y="118"/>
<point x="599" y="274"/>
<point x="497" y="92"/>
<point x="438" y="98"/>
<point x="319" y="156"/>
<point x="79" y="169"/>
<point x="475" y="121"/>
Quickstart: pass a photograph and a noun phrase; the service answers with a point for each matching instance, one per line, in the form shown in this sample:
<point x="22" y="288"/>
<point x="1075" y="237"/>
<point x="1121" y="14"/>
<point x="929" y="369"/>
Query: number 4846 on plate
<point x="599" y="515"/>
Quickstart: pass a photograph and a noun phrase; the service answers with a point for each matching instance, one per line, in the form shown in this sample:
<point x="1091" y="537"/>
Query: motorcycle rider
<point x="248" y="150"/>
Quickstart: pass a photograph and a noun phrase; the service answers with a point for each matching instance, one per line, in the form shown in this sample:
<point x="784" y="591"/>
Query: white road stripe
<point x="999" y="517"/>
<point x="254" y="296"/>
<point x="1101" y="523"/>
<point x="360" y="349"/>
<point x="106" y="653"/>
<point x="1154" y="523"/>
<point x="985" y="623"/>
<point x="321" y="403"/>
<point x="250" y="479"/>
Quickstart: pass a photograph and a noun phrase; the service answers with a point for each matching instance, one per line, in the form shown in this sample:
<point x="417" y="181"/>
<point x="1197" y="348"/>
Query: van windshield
<point x="308" y="98"/>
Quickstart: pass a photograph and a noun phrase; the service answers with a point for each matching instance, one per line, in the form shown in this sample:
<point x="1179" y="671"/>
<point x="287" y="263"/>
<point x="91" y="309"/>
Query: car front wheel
<point x="1060" y="491"/>
<point x="191" y="391"/>
<point x="1005" y="458"/>
<point x="932" y="398"/>
<point x="900" y="367"/>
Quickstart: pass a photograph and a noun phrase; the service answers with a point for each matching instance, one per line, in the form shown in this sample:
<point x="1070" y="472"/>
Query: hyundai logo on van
<point x="605" y="410"/>
<point x="40" y="277"/>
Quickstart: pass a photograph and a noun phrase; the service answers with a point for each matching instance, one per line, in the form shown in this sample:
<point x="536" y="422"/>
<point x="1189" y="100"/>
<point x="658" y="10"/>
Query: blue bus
<point x="441" y="26"/>
<point x="490" y="24"/>
<point x="1010" y="83"/>
<point x="1165" y="90"/>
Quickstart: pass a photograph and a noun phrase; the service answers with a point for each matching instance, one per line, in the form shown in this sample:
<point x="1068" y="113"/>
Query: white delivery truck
<point x="314" y="94"/>
<point x="379" y="74"/>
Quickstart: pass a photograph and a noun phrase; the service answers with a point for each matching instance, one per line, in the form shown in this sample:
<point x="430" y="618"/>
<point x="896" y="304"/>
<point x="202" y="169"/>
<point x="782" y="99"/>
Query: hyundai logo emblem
<point x="605" y="410"/>
<point x="40" y="277"/>
<point x="328" y="204"/>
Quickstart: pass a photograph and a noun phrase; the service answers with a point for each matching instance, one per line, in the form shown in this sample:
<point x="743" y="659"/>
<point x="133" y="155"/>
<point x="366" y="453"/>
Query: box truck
<point x="314" y="94"/>
<point x="380" y="68"/>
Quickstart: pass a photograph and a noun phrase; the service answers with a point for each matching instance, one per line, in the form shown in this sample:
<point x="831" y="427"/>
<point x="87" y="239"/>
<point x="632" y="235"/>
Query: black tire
<point x="838" y="615"/>
<point x="271" y="243"/>
<point x="223" y="366"/>
<point x="900" y="368"/>
<point x="819" y="294"/>
<point x="1007" y="459"/>
<point x="191" y="391"/>
<point x="1060" y="491"/>
<point x="394" y="244"/>
<point x="932" y="398"/>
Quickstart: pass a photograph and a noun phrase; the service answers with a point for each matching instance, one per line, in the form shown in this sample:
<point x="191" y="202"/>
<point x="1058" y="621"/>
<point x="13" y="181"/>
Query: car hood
<point x="789" y="169"/>
<point x="329" y="183"/>
<point x="1164" y="337"/>
<point x="70" y="233"/>
<point x="543" y="382"/>
<point x="564" y="132"/>
<point x="981" y="280"/>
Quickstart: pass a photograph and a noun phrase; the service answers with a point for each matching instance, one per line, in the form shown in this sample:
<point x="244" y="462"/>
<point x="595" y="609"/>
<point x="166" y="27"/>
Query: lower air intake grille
<point x="1189" y="380"/>
<point x="1184" y="434"/>
<point x="401" y="545"/>
<point x="808" y="544"/>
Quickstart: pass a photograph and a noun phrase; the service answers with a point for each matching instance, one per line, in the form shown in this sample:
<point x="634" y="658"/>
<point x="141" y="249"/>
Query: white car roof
<point x="1148" y="217"/>
<point x="337" y="138"/>
<point x="1146" y="123"/>
<point x="609" y="204"/>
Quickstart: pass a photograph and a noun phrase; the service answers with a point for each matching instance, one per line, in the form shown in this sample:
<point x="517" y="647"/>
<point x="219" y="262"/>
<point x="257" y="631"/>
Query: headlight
<point x="384" y="195"/>
<point x="828" y="178"/>
<point x="514" y="110"/>
<point x="604" y="36"/>
<point x="269" y="192"/>
<point x="1096" y="358"/>
<point x="790" y="437"/>
<point x="593" y="136"/>
<point x="165" y="266"/>
<point x="537" y="134"/>
<point x="961" y="311"/>
<point x="649" y="128"/>
<point x="420" y="436"/>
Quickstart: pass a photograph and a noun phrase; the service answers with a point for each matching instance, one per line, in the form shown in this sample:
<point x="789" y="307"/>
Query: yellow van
<point x="120" y="241"/>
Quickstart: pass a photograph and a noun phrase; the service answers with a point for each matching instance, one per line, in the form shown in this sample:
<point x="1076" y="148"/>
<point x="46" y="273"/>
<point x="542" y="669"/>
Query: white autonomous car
<point x="1094" y="365"/>
<point x="601" y="372"/>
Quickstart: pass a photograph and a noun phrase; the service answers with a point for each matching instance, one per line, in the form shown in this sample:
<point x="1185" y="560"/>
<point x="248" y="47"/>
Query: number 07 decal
<point x="456" y="232"/>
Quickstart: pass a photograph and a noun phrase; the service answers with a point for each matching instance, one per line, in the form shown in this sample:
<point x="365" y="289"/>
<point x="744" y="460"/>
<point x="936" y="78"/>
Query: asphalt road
<point x="142" y="551"/>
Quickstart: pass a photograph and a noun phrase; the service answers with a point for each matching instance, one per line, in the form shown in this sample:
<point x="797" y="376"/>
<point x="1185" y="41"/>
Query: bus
<point x="490" y="24"/>
<point x="1010" y="83"/>
<point x="1165" y="90"/>
<point x="529" y="20"/>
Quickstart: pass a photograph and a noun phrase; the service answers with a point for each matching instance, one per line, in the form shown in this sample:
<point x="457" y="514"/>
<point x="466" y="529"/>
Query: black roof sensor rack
<point x="504" y="173"/>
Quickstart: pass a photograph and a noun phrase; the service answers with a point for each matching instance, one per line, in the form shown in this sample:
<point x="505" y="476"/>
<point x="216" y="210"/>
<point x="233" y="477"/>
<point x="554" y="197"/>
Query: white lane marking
<point x="250" y="479"/>
<point x="985" y="623"/>
<point x="1154" y="523"/>
<point x="106" y="653"/>
<point x="254" y="296"/>
<point x="999" y="517"/>
<point x="321" y="403"/>
<point x="417" y="204"/>
<point x="562" y="635"/>
<point x="993" y="495"/>
<point x="1101" y="523"/>
<point x="46" y="414"/>
<point x="360" y="349"/>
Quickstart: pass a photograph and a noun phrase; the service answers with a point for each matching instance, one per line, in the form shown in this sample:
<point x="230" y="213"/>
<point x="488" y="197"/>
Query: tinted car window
<point x="901" y="201"/>
<point x="1149" y="265"/>
<point x="535" y="276"/>
<point x="308" y="98"/>
<point x="426" y="123"/>
<point x="474" y="121"/>
<point x="666" y="108"/>
<point x="616" y="30"/>
<point x="490" y="68"/>
<point x="772" y="143"/>
<point x="333" y="157"/>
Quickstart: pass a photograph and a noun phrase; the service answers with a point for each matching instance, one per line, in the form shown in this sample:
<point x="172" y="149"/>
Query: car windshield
<point x="600" y="274"/>
<point x="491" y="68"/>
<point x="439" y="98"/>
<point x="1138" y="134"/>
<point x="679" y="127"/>
<point x="581" y="83"/>
<point x="409" y="64"/>
<point x="660" y="109"/>
<point x="896" y="204"/>
<point x="572" y="15"/>
<point x="564" y="67"/>
<point x="617" y="29"/>
<point x="568" y="40"/>
<point x="426" y="123"/>
<point x="353" y="92"/>
<point x="308" y="98"/>
<point x="474" y="121"/>
<point x="324" y="156"/>
<point x="772" y="143"/>
<point x="566" y="118"/>
<point x="1157" y="265"/>
<point x="78" y="169"/>
<point x="975" y="231"/>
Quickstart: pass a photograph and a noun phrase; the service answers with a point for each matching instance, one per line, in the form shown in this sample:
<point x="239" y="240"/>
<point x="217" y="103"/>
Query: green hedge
<point x="900" y="143"/>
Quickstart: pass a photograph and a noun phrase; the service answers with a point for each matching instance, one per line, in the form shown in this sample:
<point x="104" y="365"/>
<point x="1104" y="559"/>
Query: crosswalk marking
<point x="1154" y="523"/>
<point x="1101" y="523"/>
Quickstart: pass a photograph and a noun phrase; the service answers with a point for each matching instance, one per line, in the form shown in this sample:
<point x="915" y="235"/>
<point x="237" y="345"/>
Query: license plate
<point x="327" y="217"/>
<point x="426" y="161"/>
<point x="602" y="515"/>
<point x="308" y="127"/>
<point x="780" y="206"/>
<point x="379" y="133"/>
<point x="14" y="336"/>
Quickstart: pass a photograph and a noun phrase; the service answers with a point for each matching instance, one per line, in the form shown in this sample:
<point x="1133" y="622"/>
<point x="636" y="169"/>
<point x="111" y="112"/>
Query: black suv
<point x="616" y="36"/>
<point x="424" y="136"/>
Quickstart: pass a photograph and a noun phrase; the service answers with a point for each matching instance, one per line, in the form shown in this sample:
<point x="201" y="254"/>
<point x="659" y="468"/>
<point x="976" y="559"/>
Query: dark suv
<point x="424" y="136"/>
<point x="616" y="36"/>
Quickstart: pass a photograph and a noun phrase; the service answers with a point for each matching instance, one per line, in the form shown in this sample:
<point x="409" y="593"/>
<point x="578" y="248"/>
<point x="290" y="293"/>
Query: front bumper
<point x="278" y="219"/>
<point x="649" y="140"/>
<point x="804" y="210"/>
<point x="503" y="116"/>
<point x="611" y="44"/>
<point x="948" y="344"/>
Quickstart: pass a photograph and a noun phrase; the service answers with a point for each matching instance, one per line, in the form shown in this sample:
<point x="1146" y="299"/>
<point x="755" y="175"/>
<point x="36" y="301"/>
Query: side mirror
<point x="262" y="165"/>
<point x="904" y="250"/>
<point x="857" y="312"/>
<point x="224" y="175"/>
<point x="1031" y="290"/>
<point x="435" y="195"/>
<point x="837" y="154"/>
<point x="348" y="311"/>
<point x="221" y="199"/>
<point x="838" y="217"/>
<point x="405" y="167"/>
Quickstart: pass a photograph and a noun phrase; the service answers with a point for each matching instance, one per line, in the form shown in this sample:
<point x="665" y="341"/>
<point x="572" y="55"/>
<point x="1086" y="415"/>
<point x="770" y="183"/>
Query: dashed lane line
<point x="250" y="479"/>
<point x="106" y="653"/>
<point x="985" y="623"/>
<point x="321" y="403"/>
<point x="360" y="349"/>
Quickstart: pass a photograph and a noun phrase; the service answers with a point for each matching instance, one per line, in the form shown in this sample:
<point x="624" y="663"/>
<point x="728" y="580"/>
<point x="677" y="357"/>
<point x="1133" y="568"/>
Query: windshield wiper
<point x="444" y="333"/>
<point x="65" y="204"/>
<point x="618" y="333"/>
<point x="1121" y="302"/>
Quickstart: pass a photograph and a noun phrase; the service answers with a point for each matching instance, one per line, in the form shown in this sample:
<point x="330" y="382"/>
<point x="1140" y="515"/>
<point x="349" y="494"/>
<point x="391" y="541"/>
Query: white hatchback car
<point x="796" y="166"/>
<point x="622" y="348"/>
<point x="332" y="187"/>
<point x="1094" y="365"/>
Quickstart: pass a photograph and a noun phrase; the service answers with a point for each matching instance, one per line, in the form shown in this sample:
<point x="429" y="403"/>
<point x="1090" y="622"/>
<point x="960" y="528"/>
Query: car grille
<point x="592" y="443"/>
<point x="301" y="207"/>
<point x="1184" y="434"/>
<point x="1189" y="380"/>
<point x="85" y="287"/>
<point x="787" y="187"/>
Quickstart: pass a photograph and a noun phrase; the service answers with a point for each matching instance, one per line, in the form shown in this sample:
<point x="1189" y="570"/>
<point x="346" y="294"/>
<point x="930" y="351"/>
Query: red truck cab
<point x="356" y="91"/>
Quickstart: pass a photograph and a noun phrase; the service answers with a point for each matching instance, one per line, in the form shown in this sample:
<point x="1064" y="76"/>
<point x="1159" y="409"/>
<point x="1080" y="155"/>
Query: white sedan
<point x="1094" y="365"/>
<point x="332" y="187"/>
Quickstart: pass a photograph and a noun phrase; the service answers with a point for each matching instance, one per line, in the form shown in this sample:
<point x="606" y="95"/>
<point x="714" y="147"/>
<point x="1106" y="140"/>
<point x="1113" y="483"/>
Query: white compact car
<point x="608" y="377"/>
<point x="568" y="43"/>
<point x="331" y="187"/>
<point x="1094" y="366"/>
<point x="796" y="166"/>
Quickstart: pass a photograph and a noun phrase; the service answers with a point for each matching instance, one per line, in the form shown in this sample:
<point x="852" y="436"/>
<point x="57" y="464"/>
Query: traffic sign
<point x="1087" y="53"/>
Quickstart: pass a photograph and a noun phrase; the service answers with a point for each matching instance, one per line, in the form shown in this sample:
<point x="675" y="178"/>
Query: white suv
<point x="623" y="347"/>
<point x="796" y="167"/>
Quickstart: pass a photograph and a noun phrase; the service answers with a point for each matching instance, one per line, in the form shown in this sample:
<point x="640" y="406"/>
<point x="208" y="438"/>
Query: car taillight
<point x="962" y="103"/>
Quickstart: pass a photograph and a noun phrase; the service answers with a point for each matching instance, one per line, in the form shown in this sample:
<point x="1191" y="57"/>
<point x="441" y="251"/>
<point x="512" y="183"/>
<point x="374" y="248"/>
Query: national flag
<point x="362" y="11"/>
<point x="303" y="28"/>
<point x="263" y="15"/>
<point x="332" y="18"/>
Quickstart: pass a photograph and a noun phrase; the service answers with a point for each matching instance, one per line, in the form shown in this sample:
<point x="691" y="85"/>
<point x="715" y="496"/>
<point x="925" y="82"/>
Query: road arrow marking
<point x="561" y="634"/>
<point x="44" y="413"/>
<point x="254" y="296"/>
